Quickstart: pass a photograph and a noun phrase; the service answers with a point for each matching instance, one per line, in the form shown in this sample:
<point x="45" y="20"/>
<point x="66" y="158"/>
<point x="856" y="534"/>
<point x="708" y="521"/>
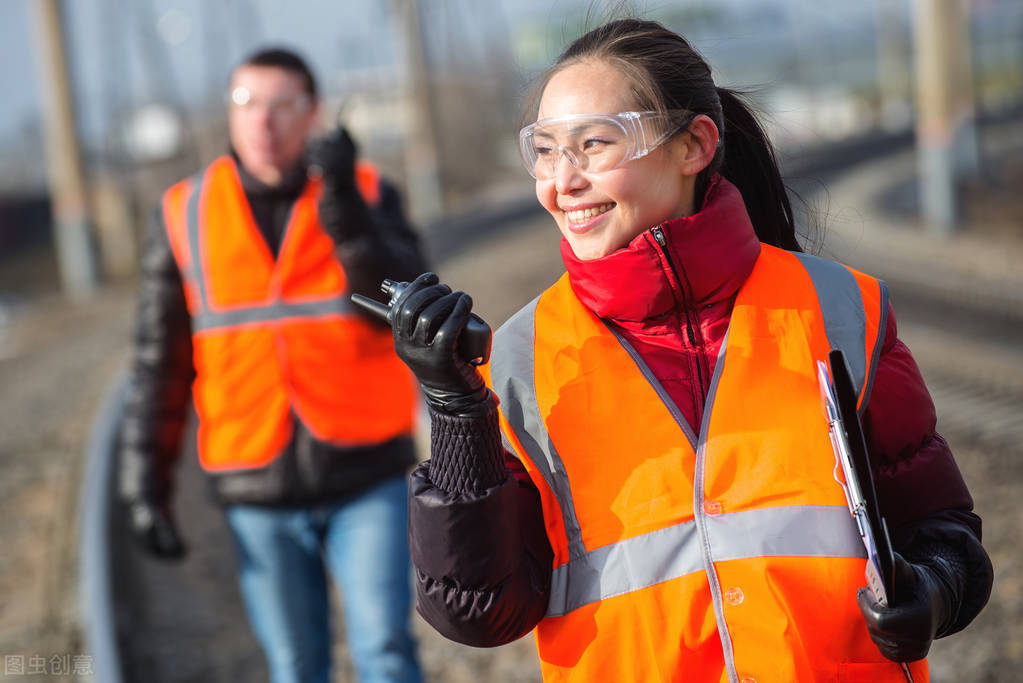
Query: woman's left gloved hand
<point x="927" y="597"/>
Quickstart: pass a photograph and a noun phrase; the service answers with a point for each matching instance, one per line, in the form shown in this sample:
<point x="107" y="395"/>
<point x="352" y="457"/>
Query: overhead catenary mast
<point x="422" y="167"/>
<point x="944" y="101"/>
<point x="73" y="233"/>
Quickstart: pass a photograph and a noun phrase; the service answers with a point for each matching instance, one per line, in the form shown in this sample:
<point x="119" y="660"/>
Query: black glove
<point x="342" y="211"/>
<point x="426" y="319"/>
<point x="155" y="531"/>
<point x="925" y="605"/>
<point x="333" y="158"/>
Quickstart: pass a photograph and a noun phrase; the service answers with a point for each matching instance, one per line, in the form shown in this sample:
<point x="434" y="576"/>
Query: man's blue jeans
<point x="284" y="555"/>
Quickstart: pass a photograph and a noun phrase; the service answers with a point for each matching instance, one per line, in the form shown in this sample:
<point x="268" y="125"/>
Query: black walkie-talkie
<point x="473" y="342"/>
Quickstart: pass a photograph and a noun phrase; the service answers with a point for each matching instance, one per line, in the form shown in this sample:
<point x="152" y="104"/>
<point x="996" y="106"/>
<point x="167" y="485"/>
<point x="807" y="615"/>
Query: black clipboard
<point x="845" y="397"/>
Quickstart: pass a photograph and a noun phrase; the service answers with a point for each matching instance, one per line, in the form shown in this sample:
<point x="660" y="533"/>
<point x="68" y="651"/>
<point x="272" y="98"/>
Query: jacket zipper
<point x="662" y="241"/>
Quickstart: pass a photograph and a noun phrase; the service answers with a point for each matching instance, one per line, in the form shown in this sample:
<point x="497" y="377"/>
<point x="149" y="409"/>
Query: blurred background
<point x="900" y="122"/>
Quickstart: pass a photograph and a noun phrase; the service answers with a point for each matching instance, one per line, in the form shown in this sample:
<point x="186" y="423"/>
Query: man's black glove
<point x="927" y="596"/>
<point x="342" y="211"/>
<point x="333" y="158"/>
<point x="427" y="319"/>
<point x="154" y="530"/>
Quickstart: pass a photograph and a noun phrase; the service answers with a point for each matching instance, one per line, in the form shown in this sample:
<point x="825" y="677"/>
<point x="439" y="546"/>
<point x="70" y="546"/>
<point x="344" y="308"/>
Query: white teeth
<point x="583" y="214"/>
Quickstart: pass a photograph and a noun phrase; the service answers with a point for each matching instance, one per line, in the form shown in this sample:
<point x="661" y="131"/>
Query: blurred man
<point x="305" y="413"/>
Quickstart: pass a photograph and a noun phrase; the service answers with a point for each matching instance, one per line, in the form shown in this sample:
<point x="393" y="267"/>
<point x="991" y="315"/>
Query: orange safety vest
<point x="724" y="553"/>
<point x="276" y="337"/>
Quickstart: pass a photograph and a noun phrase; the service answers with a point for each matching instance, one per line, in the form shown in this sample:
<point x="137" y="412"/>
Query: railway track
<point x="974" y="372"/>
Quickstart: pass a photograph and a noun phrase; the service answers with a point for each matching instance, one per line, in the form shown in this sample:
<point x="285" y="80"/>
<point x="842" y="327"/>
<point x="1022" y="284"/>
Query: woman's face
<point x="599" y="213"/>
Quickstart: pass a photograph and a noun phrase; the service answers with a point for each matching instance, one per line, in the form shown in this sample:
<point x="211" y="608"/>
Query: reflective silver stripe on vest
<point x="512" y="374"/>
<point x="623" y="567"/>
<point x="275" y="312"/>
<point x="841" y="304"/>
<point x="882" y="327"/>
<point x="192" y="226"/>
<point x="672" y="552"/>
<point x="793" y="531"/>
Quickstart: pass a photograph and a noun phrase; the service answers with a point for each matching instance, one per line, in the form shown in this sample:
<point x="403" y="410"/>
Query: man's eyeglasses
<point x="242" y="99"/>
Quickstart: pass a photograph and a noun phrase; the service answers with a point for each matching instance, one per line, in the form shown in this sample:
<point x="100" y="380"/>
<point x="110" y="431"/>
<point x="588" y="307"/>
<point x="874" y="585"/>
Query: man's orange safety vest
<point x="272" y="337"/>
<point x="723" y="553"/>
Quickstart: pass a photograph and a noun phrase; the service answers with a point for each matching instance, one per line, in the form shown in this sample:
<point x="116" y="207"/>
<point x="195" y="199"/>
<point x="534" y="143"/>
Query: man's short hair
<point x="284" y="59"/>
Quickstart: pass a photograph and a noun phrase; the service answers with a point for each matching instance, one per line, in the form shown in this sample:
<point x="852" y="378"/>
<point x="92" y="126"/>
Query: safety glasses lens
<point x="593" y="144"/>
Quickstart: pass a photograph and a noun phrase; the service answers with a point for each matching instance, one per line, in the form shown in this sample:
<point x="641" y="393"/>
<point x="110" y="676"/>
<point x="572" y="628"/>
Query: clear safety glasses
<point x="280" y="108"/>
<point x="596" y="143"/>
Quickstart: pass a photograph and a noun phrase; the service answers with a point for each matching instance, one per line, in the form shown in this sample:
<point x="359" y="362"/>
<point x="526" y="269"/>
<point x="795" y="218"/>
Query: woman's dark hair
<point x="284" y="59"/>
<point x="667" y="74"/>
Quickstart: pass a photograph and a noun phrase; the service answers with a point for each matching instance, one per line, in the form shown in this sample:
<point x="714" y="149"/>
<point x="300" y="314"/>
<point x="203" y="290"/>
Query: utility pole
<point x="964" y="104"/>
<point x="72" y="229"/>
<point x="944" y="108"/>
<point x="892" y="66"/>
<point x="422" y="169"/>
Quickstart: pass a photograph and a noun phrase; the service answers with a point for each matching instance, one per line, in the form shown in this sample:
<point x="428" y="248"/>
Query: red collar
<point x="712" y="252"/>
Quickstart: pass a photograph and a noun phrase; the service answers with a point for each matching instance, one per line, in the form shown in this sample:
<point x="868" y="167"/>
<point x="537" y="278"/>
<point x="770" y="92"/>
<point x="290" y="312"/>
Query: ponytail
<point x="750" y="164"/>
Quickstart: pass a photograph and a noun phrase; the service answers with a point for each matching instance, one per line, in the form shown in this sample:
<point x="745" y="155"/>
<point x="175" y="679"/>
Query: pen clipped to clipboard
<point x="852" y="472"/>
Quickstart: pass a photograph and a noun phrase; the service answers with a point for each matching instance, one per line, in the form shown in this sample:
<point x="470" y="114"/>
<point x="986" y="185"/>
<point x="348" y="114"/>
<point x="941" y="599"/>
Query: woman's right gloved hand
<point x="427" y="319"/>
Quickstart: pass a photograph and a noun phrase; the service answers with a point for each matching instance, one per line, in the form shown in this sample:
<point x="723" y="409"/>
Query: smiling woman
<point x="643" y="472"/>
<point x="652" y="187"/>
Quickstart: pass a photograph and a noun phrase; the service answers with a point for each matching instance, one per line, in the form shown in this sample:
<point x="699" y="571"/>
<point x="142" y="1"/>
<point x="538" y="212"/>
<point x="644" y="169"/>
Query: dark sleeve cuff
<point x="466" y="454"/>
<point x="954" y="537"/>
